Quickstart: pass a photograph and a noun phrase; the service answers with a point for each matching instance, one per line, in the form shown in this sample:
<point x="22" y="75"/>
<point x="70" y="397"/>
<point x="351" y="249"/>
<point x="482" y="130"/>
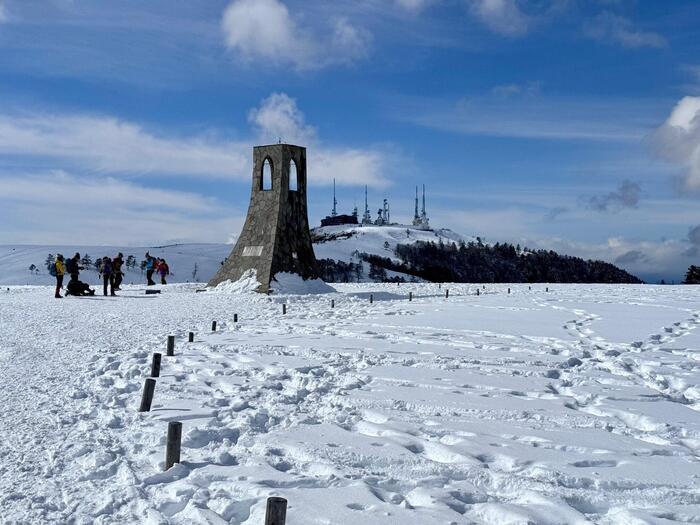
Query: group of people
<point x="110" y="272"/>
<point x="157" y="266"/>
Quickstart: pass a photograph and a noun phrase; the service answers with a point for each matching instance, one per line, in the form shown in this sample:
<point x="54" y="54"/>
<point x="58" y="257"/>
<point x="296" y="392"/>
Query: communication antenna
<point x="335" y="202"/>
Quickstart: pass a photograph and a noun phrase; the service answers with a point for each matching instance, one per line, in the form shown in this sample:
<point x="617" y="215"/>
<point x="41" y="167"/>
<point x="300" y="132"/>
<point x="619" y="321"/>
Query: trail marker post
<point x="171" y="346"/>
<point x="155" y="365"/>
<point x="276" y="512"/>
<point x="235" y="318"/>
<point x="284" y="308"/>
<point x="371" y="298"/>
<point x="213" y="326"/>
<point x="410" y="296"/>
<point x="190" y="337"/>
<point x="172" y="445"/>
<point x="147" y="398"/>
<point x="447" y="294"/>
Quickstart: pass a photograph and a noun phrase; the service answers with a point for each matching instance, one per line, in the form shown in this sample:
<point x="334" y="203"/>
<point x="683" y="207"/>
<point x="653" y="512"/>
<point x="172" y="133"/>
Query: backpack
<point x="52" y="269"/>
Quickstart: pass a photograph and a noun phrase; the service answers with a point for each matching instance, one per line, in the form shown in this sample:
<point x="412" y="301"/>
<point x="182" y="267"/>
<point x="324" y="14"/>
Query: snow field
<point x="575" y="406"/>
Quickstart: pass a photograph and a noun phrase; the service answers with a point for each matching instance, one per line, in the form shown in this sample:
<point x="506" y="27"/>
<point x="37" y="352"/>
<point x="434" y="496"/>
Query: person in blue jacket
<point x="150" y="268"/>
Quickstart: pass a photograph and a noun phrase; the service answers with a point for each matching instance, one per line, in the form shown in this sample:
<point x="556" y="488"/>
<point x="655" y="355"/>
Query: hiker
<point x="78" y="288"/>
<point x="60" y="271"/>
<point x="107" y="275"/>
<point x="117" y="264"/>
<point x="73" y="267"/>
<point x="163" y="270"/>
<point x="150" y="268"/>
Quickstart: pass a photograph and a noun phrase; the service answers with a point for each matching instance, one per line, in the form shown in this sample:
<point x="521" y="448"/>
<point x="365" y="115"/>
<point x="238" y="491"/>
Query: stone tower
<point x="275" y="237"/>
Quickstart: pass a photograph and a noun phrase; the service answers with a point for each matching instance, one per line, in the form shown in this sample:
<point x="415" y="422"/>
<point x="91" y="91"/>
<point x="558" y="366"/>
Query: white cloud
<point x="678" y="140"/>
<point x="114" y="146"/>
<point x="502" y="16"/>
<point x="348" y="166"/>
<point x="265" y="30"/>
<point x="534" y="116"/>
<point x="608" y="27"/>
<point x="279" y="117"/>
<point x="62" y="208"/>
<point x="413" y="5"/>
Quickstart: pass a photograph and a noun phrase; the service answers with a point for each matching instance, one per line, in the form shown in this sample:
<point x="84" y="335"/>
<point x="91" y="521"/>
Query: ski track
<point x="502" y="408"/>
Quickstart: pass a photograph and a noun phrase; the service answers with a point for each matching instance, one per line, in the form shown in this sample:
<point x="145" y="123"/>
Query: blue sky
<point x="564" y="124"/>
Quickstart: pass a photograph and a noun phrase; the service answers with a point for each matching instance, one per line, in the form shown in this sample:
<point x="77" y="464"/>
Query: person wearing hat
<point x="117" y="273"/>
<point x="60" y="272"/>
<point x="73" y="267"/>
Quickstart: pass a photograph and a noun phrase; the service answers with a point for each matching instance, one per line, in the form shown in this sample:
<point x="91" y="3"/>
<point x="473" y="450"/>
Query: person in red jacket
<point x="163" y="270"/>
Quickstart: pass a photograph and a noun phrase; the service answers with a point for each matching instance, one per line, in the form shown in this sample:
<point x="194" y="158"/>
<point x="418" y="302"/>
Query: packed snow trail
<point x="574" y="406"/>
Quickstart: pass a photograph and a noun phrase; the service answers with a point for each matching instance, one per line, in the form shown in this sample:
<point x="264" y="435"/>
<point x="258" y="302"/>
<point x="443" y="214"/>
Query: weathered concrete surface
<point x="275" y="236"/>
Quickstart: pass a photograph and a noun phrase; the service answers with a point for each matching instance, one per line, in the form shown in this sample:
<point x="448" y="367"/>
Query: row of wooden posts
<point x="371" y="301"/>
<point x="276" y="509"/>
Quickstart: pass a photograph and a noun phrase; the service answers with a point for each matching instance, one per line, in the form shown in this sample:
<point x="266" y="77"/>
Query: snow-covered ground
<point x="573" y="406"/>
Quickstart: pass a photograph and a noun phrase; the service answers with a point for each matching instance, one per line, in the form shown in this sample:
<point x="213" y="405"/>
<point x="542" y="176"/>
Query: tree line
<point x="478" y="263"/>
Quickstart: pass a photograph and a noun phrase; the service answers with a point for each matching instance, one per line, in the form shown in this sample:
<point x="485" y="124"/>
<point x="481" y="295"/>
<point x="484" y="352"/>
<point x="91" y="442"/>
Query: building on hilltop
<point x="421" y="220"/>
<point x="334" y="219"/>
<point x="383" y="217"/>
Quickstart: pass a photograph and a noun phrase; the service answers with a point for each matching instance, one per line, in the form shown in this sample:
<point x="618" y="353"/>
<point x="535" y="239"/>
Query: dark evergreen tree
<point x="692" y="276"/>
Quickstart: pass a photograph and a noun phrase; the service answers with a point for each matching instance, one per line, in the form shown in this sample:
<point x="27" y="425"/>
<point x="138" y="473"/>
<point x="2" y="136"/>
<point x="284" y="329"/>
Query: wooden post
<point x="147" y="398"/>
<point x="190" y="338"/>
<point x="546" y="289"/>
<point x="172" y="446"/>
<point x="371" y="298"/>
<point x="447" y="293"/>
<point x="276" y="513"/>
<point x="213" y="326"/>
<point x="478" y="292"/>
<point x="284" y="308"/>
<point x="332" y="303"/>
<point x="155" y="365"/>
<point x="171" y="345"/>
<point x="439" y="286"/>
<point x="410" y="296"/>
<point x="508" y="290"/>
<point x="235" y="318"/>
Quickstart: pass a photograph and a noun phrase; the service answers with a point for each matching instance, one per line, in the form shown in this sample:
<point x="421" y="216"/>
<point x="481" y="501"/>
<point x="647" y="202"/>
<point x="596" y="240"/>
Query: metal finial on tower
<point x="335" y="202"/>
<point x="423" y="210"/>
<point x="415" y="213"/>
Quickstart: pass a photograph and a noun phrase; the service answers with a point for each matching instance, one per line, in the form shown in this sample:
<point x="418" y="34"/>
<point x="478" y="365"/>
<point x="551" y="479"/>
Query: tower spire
<point x="335" y="202"/>
<point x="366" y="217"/>
<point x="415" y="213"/>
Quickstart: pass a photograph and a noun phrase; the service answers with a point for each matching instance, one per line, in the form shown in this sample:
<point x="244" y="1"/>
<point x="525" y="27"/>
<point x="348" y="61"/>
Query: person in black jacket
<point x="117" y="264"/>
<point x="73" y="267"/>
<point x="107" y="275"/>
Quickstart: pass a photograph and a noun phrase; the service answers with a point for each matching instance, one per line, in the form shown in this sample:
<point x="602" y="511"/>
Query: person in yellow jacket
<point x="60" y="272"/>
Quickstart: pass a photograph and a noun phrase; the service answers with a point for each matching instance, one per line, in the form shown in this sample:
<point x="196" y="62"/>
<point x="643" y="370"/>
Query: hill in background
<point x="345" y="253"/>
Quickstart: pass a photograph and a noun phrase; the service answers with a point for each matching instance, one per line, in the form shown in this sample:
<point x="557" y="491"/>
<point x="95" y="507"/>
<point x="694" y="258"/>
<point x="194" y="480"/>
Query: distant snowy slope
<point x="15" y="261"/>
<point x="330" y="242"/>
<point x="341" y="242"/>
